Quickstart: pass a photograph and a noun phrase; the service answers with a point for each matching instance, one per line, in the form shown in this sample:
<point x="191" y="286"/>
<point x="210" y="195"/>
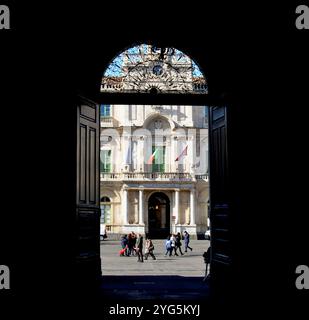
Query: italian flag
<point x="150" y="160"/>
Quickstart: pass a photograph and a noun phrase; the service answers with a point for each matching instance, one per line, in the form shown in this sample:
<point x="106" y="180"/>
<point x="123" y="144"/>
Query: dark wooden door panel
<point x="88" y="188"/>
<point x="220" y="213"/>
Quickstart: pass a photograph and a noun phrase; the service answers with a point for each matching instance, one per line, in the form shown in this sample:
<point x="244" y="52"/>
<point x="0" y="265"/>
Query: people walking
<point x="139" y="248"/>
<point x="178" y="243"/>
<point x="187" y="241"/>
<point x="149" y="247"/>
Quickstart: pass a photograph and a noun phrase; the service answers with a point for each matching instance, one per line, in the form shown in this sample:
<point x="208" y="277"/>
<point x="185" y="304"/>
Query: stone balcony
<point x="152" y="176"/>
<point x="108" y="122"/>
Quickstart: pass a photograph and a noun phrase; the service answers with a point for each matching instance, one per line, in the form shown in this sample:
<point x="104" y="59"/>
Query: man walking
<point x="187" y="241"/>
<point x="139" y="248"/>
<point x="178" y="243"/>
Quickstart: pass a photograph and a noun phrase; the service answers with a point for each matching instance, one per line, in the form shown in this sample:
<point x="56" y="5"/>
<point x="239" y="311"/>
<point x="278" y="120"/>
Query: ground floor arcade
<point x="154" y="209"/>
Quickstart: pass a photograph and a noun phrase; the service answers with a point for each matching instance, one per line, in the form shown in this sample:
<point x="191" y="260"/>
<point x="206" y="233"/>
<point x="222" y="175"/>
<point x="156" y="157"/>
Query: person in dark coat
<point x="178" y="243"/>
<point x="139" y="248"/>
<point x="187" y="241"/>
<point x="131" y="243"/>
<point x="207" y="260"/>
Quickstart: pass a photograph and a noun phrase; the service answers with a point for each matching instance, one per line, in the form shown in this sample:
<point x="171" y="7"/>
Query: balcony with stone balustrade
<point x="153" y="176"/>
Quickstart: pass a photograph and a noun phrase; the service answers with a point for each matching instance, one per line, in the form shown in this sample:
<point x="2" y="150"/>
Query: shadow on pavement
<point x="154" y="287"/>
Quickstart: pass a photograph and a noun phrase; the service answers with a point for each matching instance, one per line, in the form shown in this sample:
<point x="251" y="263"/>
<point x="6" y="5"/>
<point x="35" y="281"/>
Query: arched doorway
<point x="184" y="85"/>
<point x="158" y="215"/>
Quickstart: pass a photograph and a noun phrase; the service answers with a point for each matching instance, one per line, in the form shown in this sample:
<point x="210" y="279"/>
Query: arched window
<point x="105" y="210"/>
<point x="147" y="68"/>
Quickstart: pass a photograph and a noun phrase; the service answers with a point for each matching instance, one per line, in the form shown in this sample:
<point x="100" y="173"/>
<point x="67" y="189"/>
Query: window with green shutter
<point x="158" y="164"/>
<point x="105" y="160"/>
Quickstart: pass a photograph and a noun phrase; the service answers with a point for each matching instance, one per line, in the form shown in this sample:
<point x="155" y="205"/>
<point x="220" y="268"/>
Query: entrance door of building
<point x="158" y="216"/>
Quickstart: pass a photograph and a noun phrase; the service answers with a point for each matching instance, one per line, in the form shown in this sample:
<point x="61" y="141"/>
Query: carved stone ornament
<point x="158" y="124"/>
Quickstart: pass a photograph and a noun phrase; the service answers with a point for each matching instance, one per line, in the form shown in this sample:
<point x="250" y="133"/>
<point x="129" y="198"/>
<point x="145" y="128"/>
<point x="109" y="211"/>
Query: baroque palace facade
<point x="154" y="159"/>
<point x="154" y="169"/>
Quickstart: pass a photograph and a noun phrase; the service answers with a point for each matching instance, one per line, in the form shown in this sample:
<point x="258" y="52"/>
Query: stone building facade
<point x="154" y="159"/>
<point x="154" y="169"/>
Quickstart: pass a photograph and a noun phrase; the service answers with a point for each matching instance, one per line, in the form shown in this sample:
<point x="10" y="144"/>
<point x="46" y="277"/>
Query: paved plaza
<point x="190" y="264"/>
<point x="175" y="277"/>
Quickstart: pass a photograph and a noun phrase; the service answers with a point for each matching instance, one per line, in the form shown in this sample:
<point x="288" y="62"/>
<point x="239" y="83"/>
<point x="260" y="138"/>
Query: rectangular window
<point x="105" y="160"/>
<point x="158" y="163"/>
<point x="105" y="110"/>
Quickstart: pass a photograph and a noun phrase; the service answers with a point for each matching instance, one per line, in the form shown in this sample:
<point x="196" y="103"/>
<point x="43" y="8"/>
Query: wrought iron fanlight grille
<point x="149" y="69"/>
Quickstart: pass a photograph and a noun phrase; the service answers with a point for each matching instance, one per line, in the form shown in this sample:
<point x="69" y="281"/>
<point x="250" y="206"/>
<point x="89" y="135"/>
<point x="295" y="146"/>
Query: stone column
<point x="192" y="207"/>
<point x="176" y="206"/>
<point x="141" y="207"/>
<point x="125" y="206"/>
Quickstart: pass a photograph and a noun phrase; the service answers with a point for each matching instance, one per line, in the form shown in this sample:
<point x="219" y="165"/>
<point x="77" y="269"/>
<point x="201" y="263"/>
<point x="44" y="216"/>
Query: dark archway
<point x="158" y="215"/>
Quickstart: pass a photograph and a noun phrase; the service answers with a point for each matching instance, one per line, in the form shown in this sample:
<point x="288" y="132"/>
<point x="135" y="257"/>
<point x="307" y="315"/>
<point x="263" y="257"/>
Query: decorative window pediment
<point x="148" y="69"/>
